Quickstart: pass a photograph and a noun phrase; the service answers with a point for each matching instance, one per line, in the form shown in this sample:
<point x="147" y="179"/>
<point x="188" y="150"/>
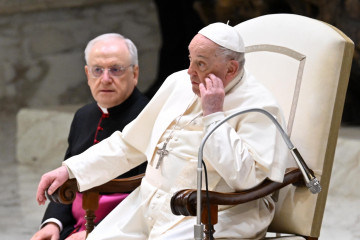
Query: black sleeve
<point x="62" y="212"/>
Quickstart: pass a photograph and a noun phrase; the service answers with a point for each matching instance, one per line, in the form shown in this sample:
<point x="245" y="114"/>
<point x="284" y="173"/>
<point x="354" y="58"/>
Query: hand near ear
<point x="212" y="95"/>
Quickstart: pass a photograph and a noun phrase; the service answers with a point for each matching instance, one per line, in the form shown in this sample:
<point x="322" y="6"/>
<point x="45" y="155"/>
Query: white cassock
<point x="239" y="155"/>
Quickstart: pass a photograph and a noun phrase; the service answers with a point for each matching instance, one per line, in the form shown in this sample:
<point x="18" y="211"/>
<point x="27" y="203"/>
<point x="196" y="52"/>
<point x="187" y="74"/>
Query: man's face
<point x="106" y="59"/>
<point x="203" y="61"/>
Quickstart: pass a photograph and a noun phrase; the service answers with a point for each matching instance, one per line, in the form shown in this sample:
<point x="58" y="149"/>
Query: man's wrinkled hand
<point x="212" y="95"/>
<point x="51" y="181"/>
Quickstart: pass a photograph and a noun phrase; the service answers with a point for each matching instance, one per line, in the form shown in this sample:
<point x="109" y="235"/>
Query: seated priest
<point x="112" y="73"/>
<point x="239" y="155"/>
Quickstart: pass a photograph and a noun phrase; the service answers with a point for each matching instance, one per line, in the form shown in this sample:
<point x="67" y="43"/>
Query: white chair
<point x="306" y="64"/>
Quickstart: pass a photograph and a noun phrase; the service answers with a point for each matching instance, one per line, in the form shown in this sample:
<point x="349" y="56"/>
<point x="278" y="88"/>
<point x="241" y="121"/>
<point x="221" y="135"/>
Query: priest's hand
<point x="212" y="95"/>
<point x="51" y="181"/>
<point x="50" y="231"/>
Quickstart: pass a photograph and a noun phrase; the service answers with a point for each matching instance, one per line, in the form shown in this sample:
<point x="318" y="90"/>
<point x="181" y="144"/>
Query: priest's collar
<point x="104" y="110"/>
<point x="122" y="106"/>
<point x="235" y="81"/>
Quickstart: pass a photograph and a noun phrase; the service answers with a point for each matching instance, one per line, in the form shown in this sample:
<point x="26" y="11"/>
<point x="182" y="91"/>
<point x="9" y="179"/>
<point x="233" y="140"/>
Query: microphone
<point x="310" y="180"/>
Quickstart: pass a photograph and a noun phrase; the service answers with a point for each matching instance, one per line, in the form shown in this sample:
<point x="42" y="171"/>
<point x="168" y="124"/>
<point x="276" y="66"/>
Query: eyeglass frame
<point x="121" y="68"/>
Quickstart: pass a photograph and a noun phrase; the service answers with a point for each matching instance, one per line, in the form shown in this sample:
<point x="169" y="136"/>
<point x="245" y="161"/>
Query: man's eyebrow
<point x="201" y="56"/>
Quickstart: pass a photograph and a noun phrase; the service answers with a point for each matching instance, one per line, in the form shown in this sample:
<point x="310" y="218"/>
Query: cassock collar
<point x="104" y="110"/>
<point x="122" y="106"/>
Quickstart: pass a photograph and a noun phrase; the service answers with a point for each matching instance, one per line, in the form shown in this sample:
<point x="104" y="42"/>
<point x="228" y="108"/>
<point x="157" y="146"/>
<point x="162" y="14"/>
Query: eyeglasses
<point x="114" y="71"/>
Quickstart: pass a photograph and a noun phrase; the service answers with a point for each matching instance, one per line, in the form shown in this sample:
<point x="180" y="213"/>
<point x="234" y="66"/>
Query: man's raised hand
<point x="212" y="95"/>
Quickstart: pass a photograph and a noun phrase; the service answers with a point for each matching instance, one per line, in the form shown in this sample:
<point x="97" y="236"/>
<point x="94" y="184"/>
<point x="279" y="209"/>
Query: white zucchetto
<point x="224" y="35"/>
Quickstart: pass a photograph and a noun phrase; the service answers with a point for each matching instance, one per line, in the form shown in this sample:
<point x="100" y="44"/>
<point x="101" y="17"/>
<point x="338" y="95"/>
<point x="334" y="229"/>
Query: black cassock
<point x="89" y="126"/>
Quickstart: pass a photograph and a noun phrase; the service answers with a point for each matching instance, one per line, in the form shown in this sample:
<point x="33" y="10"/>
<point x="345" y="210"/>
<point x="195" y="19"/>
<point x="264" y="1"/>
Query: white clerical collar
<point x="104" y="110"/>
<point x="235" y="81"/>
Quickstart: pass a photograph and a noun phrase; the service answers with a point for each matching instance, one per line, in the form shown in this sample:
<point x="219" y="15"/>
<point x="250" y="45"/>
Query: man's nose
<point x="190" y="70"/>
<point x="106" y="76"/>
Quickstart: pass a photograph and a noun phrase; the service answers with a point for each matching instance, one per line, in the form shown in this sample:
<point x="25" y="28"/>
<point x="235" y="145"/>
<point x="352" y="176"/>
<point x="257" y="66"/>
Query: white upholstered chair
<point x="306" y="64"/>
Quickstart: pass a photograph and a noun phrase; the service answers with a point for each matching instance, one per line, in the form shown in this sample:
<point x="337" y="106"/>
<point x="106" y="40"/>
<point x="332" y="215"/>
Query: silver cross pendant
<point x="162" y="153"/>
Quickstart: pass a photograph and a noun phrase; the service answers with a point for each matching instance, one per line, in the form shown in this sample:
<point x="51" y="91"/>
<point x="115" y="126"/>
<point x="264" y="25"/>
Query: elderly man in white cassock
<point x="239" y="155"/>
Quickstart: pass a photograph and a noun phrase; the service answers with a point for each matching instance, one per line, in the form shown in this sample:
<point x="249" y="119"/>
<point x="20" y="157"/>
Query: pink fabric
<point x="106" y="204"/>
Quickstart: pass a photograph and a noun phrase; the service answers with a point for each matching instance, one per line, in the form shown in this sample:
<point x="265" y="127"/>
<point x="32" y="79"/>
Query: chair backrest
<point x="306" y="64"/>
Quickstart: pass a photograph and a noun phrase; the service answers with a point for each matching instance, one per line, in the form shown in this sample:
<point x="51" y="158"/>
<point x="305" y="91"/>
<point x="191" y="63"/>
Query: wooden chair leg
<point x="90" y="203"/>
<point x="209" y="228"/>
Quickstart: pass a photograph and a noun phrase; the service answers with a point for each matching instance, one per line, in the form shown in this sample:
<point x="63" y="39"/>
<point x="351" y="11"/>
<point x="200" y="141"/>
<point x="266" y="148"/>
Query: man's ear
<point x="233" y="69"/>
<point x="87" y="73"/>
<point x="136" y="74"/>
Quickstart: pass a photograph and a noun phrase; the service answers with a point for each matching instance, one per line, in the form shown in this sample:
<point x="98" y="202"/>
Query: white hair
<point x="231" y="55"/>
<point x="130" y="45"/>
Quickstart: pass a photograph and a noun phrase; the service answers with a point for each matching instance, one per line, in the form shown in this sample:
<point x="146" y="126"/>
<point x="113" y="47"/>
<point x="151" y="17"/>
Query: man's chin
<point x="196" y="89"/>
<point x="108" y="103"/>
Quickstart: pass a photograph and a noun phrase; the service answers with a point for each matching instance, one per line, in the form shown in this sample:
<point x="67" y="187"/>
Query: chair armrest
<point x="66" y="193"/>
<point x="183" y="202"/>
<point x="119" y="185"/>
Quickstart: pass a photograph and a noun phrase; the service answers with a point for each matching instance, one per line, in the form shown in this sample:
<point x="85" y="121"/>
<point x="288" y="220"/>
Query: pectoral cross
<point x="162" y="153"/>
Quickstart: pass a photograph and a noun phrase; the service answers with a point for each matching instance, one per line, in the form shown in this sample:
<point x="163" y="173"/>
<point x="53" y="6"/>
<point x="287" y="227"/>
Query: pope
<point x="239" y="155"/>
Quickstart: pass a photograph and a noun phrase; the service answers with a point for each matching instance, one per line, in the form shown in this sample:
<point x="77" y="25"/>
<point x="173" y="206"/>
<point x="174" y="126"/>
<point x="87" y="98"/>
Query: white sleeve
<point x="52" y="220"/>
<point x="104" y="161"/>
<point x="246" y="150"/>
